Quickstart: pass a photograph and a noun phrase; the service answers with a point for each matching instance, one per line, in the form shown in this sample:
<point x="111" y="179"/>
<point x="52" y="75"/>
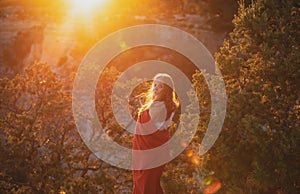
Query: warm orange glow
<point x="85" y="6"/>
<point x="189" y="153"/>
<point x="184" y="144"/>
<point x="196" y="160"/>
<point x="212" y="188"/>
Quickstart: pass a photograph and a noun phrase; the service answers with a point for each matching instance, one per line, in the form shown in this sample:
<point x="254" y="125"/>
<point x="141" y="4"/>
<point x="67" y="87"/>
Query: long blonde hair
<point x="169" y="96"/>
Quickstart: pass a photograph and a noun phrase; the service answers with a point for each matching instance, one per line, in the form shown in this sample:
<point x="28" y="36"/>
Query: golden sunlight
<point x="85" y="6"/>
<point x="196" y="160"/>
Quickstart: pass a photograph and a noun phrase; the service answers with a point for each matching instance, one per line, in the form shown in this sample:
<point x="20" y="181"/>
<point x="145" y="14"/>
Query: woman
<point x="152" y="130"/>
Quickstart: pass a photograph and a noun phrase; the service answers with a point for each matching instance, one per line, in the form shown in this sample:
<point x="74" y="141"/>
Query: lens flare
<point x="212" y="188"/>
<point x="184" y="144"/>
<point x="189" y="153"/>
<point x="208" y="182"/>
<point x="196" y="160"/>
<point x="123" y="46"/>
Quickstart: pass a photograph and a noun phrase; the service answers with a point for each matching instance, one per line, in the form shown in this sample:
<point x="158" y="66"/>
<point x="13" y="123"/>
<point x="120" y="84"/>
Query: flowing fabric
<point x="148" y="181"/>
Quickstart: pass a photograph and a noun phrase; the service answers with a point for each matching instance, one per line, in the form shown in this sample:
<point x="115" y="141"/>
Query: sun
<point x="85" y="6"/>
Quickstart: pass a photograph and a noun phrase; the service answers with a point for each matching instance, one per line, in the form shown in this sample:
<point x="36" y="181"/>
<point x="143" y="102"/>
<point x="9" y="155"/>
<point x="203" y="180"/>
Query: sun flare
<point x="85" y="6"/>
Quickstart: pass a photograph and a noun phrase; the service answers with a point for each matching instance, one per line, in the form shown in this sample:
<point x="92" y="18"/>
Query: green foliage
<point x="258" y="149"/>
<point x="41" y="151"/>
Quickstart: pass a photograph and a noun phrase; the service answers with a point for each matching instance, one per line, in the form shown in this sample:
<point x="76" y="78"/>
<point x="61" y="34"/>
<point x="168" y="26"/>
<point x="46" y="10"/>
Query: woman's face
<point x="158" y="89"/>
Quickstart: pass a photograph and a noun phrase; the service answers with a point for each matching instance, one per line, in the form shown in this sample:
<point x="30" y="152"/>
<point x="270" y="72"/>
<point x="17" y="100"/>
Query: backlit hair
<point x="169" y="96"/>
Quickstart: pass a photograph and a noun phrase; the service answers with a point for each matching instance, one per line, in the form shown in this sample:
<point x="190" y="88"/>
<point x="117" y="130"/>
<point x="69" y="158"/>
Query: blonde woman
<point x="152" y="130"/>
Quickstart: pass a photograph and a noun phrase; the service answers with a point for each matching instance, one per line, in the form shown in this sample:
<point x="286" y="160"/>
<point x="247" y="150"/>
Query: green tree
<point x="41" y="150"/>
<point x="258" y="149"/>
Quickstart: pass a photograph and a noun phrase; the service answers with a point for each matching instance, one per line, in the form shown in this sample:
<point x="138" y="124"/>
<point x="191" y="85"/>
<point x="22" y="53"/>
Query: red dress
<point x="148" y="181"/>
